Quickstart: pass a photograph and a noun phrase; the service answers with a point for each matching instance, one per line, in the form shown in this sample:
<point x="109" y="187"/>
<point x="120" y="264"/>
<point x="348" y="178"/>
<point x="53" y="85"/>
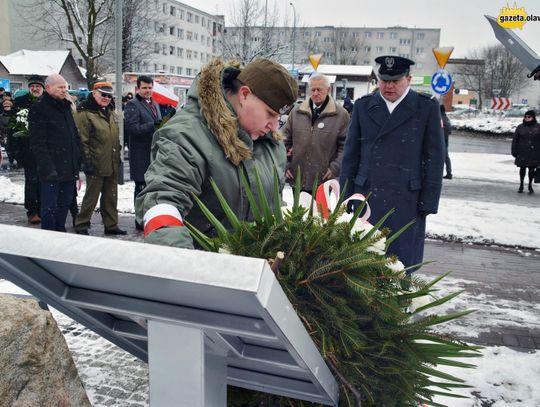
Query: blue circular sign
<point x="441" y="82"/>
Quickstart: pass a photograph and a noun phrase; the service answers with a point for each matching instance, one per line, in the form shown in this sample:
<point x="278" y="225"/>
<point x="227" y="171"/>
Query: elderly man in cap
<point x="229" y="125"/>
<point x="98" y="128"/>
<point x="23" y="155"/>
<point x="395" y="151"/>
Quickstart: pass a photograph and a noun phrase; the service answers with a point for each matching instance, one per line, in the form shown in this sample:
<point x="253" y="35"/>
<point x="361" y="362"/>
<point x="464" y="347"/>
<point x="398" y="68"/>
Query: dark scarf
<point x="316" y="111"/>
<point x="533" y="121"/>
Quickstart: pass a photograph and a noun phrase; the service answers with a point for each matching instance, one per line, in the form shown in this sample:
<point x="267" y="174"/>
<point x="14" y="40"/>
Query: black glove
<point x="52" y="177"/>
<point x="88" y="168"/>
<point x="423" y="214"/>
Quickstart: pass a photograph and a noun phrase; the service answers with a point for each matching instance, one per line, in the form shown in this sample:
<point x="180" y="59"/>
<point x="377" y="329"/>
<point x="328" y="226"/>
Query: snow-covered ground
<point x="486" y="123"/>
<point x="504" y="377"/>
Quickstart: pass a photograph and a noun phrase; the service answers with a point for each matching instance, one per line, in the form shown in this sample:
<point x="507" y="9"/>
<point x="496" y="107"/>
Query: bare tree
<point x="87" y="27"/>
<point x="501" y="75"/>
<point x="85" y="24"/>
<point x="252" y="33"/>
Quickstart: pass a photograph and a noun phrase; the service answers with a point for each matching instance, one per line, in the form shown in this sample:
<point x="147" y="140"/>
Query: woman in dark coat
<point x="526" y="148"/>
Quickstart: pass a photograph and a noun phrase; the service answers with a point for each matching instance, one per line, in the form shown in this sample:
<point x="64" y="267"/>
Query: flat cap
<point x="271" y="83"/>
<point x="36" y="80"/>
<point x="393" y="67"/>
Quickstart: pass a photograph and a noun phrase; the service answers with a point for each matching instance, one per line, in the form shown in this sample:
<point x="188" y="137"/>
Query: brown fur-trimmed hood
<point x="217" y="112"/>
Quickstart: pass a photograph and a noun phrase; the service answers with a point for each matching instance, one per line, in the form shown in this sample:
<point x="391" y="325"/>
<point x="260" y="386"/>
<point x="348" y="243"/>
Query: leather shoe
<point x="34" y="219"/>
<point x="139" y="226"/>
<point x="115" y="231"/>
<point x="82" y="232"/>
<point x="448" y="176"/>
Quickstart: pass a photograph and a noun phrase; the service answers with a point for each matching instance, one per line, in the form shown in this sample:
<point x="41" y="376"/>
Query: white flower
<point x="365" y="227"/>
<point x="395" y="266"/>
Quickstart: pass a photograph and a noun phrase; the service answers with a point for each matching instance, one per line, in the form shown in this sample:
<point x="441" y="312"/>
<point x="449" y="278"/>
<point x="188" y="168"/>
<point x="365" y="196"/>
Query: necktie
<point x="153" y="109"/>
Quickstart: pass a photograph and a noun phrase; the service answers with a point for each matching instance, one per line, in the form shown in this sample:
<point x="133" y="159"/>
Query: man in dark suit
<point x="395" y="150"/>
<point x="142" y="118"/>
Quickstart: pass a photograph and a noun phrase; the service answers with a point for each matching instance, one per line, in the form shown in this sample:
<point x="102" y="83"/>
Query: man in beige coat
<point x="315" y="135"/>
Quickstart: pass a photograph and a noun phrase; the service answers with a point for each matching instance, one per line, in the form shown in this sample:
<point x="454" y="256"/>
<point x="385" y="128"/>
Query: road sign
<point x="500" y="103"/>
<point x="442" y="55"/>
<point x="441" y="82"/>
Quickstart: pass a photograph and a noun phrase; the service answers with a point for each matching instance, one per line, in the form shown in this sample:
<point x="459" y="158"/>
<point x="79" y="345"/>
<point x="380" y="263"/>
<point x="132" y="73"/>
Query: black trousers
<point x="32" y="190"/>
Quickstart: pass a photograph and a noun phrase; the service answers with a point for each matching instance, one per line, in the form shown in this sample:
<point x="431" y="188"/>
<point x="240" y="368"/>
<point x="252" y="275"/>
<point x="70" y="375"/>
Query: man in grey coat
<point x="395" y="150"/>
<point x="142" y="118"/>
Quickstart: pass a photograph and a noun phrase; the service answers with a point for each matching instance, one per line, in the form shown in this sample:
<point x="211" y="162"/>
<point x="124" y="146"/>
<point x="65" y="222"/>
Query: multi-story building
<point x="339" y="45"/>
<point x="179" y="38"/>
<point x="186" y="38"/>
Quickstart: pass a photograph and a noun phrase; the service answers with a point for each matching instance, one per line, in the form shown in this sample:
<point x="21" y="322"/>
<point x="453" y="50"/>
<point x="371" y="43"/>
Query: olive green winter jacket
<point x="202" y="142"/>
<point x="98" y="130"/>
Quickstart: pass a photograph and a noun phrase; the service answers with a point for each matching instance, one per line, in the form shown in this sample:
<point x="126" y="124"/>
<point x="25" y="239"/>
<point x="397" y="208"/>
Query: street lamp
<point x="293" y="33"/>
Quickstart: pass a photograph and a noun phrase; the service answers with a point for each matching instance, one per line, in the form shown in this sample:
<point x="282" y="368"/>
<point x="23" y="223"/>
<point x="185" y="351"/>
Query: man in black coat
<point x="142" y="117"/>
<point x="395" y="150"/>
<point x="55" y="143"/>
<point x="24" y="156"/>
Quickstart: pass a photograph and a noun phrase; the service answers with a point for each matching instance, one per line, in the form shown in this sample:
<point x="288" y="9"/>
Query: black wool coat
<point x="526" y="145"/>
<point x="54" y="139"/>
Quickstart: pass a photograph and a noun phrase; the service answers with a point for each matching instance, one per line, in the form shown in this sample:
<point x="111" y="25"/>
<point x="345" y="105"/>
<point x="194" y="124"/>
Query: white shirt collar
<point x="392" y="105"/>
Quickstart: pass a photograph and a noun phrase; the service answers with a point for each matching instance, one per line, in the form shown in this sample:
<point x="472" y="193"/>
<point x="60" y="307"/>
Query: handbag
<point x="537" y="175"/>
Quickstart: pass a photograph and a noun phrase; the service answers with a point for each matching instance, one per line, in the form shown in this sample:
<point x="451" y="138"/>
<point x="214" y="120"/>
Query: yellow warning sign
<point x="442" y="55"/>
<point x="315" y="60"/>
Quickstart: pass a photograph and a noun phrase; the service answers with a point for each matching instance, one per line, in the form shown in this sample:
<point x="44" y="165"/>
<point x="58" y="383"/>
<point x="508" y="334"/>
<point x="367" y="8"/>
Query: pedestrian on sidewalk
<point x="447" y="129"/>
<point x="98" y="128"/>
<point x="526" y="148"/>
<point x="55" y="143"/>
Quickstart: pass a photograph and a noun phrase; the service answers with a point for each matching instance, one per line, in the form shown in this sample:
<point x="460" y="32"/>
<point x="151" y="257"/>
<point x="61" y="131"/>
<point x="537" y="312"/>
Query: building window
<point x="196" y="36"/>
<point x="180" y="33"/>
<point x="392" y="50"/>
<point x="367" y="34"/>
<point x="202" y="21"/>
<point x="164" y="8"/>
<point x="188" y="54"/>
<point x="155" y="68"/>
<point x="171" y="50"/>
<point x="419" y="50"/>
<point x="179" y="70"/>
<point x="404" y="41"/>
<point x="393" y="35"/>
<point x="180" y="52"/>
<point x="306" y="33"/>
<point x="188" y="71"/>
<point x="164" y="49"/>
<point x="354" y="34"/>
<point x="380" y="35"/>
<point x="164" y="68"/>
<point x="202" y="39"/>
<point x="172" y="11"/>
<point x="379" y="49"/>
<point x="171" y="30"/>
<point x="404" y="55"/>
<point x="189" y="17"/>
<point x="171" y="69"/>
<point x="156" y="48"/>
<point x="189" y="35"/>
<point x="195" y="54"/>
<point x="196" y="19"/>
<point x="367" y="48"/>
<point x="420" y="36"/>
<point x="317" y="33"/>
<point x="181" y="14"/>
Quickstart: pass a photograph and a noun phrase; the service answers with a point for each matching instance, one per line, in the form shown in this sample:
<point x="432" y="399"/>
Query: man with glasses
<point x="98" y="128"/>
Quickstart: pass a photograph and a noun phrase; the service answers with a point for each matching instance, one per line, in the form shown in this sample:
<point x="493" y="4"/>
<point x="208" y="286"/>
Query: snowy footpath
<point x="504" y="376"/>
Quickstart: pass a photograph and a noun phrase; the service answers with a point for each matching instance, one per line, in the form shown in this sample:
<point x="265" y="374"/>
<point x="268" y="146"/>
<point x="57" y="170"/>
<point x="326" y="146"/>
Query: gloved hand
<point x="88" y="168"/>
<point x="52" y="177"/>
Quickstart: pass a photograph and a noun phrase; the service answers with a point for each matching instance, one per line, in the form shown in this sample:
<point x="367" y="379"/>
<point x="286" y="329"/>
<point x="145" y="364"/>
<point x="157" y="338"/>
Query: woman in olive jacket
<point x="526" y="148"/>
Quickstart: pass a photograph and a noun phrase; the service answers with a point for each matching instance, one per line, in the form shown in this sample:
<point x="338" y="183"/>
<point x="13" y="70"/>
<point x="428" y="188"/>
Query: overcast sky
<point x="462" y="22"/>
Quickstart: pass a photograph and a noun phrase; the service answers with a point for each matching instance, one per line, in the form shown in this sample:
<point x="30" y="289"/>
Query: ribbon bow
<point x="327" y="196"/>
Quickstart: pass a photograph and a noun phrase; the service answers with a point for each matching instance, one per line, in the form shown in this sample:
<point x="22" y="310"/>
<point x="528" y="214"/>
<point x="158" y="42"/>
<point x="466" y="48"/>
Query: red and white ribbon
<point x="327" y="195"/>
<point x="161" y="215"/>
